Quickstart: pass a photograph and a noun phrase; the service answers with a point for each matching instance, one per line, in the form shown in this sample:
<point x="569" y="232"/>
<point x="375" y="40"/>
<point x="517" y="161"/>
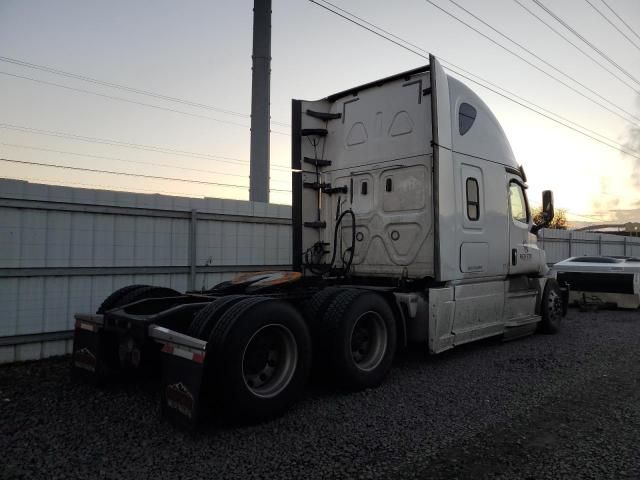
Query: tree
<point x="559" y="221"/>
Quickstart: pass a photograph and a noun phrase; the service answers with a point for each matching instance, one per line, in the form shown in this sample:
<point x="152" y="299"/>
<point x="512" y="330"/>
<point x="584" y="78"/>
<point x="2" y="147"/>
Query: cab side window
<point x="473" y="199"/>
<point x="519" y="210"/>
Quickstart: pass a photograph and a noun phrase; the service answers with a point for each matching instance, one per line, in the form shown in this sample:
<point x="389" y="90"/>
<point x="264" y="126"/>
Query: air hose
<point x="347" y="264"/>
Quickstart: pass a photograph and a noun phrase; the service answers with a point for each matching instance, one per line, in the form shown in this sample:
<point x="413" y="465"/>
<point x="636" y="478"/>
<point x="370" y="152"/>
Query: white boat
<point x="601" y="280"/>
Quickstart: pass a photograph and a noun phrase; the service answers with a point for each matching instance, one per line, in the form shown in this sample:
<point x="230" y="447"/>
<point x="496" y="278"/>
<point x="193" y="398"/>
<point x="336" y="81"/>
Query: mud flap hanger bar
<point x="89" y="322"/>
<point x="180" y="345"/>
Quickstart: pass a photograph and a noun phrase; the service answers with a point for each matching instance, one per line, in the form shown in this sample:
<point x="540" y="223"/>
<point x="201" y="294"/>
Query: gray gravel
<point x="560" y="406"/>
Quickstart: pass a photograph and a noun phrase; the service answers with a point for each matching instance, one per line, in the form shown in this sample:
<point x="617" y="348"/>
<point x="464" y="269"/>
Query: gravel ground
<point x="560" y="406"/>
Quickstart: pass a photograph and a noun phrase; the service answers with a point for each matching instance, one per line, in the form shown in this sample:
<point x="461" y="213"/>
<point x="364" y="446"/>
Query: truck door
<point x="522" y="254"/>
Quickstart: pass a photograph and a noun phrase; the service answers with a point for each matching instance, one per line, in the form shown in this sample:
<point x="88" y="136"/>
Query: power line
<point x="533" y="14"/>
<point x="136" y="146"/>
<point x="96" y="81"/>
<point x="102" y="157"/>
<point x="117" y="159"/>
<point x="613" y="24"/>
<point x="495" y="42"/>
<point x="127" y="174"/>
<point x="622" y="150"/>
<point x="444" y="61"/>
<point x="121" y="99"/>
<point x="542" y="60"/>
<point x="515" y="95"/>
<point x="507" y="97"/>
<point x="581" y="37"/>
<point x="113" y="172"/>
<point x="100" y="186"/>
<point x="620" y="18"/>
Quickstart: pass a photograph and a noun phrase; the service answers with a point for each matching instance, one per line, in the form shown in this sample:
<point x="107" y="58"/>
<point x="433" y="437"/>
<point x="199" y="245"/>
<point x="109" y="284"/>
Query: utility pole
<point x="260" y="97"/>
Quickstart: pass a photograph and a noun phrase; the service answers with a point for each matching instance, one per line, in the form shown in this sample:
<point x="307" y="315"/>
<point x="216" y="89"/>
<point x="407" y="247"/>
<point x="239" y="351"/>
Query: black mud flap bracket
<point x="183" y="377"/>
<point x="564" y="292"/>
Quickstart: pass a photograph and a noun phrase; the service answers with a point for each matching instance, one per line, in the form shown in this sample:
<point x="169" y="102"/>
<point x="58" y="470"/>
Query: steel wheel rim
<point x="368" y="341"/>
<point x="269" y="360"/>
<point x="554" y="306"/>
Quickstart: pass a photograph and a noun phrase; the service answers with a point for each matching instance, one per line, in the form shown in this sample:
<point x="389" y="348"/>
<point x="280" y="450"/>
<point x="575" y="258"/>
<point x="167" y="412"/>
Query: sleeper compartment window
<point x="466" y="117"/>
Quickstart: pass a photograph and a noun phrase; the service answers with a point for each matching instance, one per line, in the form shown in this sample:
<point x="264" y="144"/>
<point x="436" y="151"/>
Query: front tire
<point x="551" y="307"/>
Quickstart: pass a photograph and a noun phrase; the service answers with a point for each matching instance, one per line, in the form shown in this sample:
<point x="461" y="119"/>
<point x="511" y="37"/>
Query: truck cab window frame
<point x="473" y="199"/>
<point x="518" y="204"/>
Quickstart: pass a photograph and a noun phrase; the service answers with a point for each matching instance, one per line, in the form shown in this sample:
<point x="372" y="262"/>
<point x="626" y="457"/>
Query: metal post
<point x="260" y="91"/>
<point x="624" y="241"/>
<point x="571" y="244"/>
<point x="193" y="231"/>
<point x="599" y="244"/>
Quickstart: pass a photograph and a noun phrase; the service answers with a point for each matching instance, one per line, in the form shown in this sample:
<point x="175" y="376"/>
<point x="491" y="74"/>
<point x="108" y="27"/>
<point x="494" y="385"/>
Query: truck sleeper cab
<point x="410" y="224"/>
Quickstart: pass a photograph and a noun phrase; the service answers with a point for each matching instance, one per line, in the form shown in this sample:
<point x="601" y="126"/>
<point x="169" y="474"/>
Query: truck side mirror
<point x="547" y="211"/>
<point x="547" y="206"/>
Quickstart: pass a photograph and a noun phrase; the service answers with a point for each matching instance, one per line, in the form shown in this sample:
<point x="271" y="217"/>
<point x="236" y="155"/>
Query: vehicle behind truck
<point x="411" y="224"/>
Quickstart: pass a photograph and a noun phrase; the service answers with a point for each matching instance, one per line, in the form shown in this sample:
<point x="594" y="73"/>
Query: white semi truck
<point x="410" y="224"/>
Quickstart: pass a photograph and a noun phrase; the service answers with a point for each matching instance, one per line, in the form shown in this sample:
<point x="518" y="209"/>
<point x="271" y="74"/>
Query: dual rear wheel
<point x="260" y="349"/>
<point x="258" y="359"/>
<point x="357" y="339"/>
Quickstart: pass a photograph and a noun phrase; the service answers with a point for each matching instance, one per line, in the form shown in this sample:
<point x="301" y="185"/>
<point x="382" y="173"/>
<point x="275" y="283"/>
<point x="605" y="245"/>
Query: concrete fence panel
<point x="63" y="250"/>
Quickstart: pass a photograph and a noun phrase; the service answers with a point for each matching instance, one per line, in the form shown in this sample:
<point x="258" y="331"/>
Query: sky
<point x="200" y="51"/>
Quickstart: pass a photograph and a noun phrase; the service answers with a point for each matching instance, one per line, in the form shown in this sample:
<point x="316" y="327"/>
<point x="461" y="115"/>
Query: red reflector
<point x="198" y="357"/>
<point x="167" y="348"/>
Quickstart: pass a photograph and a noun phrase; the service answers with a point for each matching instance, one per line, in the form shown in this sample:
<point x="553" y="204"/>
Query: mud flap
<point x="94" y="351"/>
<point x="182" y="386"/>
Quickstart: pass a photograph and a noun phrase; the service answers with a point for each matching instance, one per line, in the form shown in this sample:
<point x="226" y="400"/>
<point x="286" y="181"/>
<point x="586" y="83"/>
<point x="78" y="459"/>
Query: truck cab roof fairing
<point x="485" y="138"/>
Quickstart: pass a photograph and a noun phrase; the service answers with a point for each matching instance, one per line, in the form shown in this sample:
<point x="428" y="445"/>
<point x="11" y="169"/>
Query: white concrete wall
<point x="561" y="244"/>
<point x="63" y="250"/>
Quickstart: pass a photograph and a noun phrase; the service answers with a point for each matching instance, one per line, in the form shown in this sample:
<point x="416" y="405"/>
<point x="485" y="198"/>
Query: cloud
<point x="633" y="144"/>
<point x="626" y="215"/>
<point x="612" y="203"/>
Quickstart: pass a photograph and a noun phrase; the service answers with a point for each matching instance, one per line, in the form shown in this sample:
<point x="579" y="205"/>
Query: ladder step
<point x="520" y="321"/>
<point x="323" y="115"/>
<point x="330" y="190"/>
<point x="321" y="132"/>
<point x="315" y="224"/>
<point x="315" y="185"/>
<point x="522" y="293"/>
<point x="519" y="332"/>
<point x="325" y="187"/>
<point x="317" y="162"/>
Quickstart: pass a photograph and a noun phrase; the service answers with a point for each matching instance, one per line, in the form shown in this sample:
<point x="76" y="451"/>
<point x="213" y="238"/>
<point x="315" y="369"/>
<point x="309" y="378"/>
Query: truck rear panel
<point x="368" y="150"/>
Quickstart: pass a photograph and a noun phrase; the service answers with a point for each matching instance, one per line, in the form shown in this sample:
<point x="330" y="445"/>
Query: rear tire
<point x="205" y="319"/>
<point x="361" y="339"/>
<point x="145" y="292"/>
<point x="317" y="305"/>
<point x="112" y="301"/>
<point x="261" y="354"/>
<point x="314" y="312"/>
<point x="551" y="307"/>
